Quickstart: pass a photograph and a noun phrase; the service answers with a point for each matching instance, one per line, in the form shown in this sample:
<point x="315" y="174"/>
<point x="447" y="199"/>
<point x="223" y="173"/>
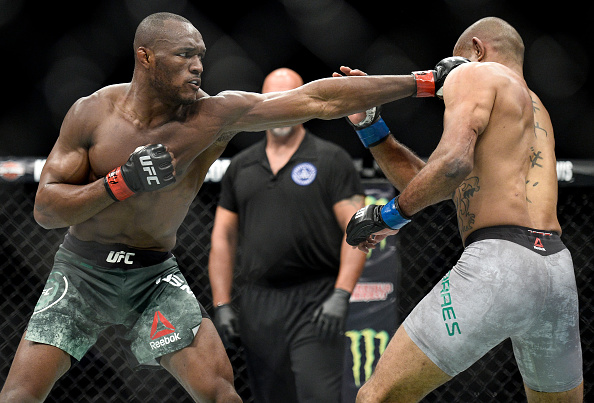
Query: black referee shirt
<point x="288" y="230"/>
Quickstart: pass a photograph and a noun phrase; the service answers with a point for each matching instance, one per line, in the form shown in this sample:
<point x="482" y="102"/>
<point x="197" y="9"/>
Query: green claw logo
<point x="370" y="341"/>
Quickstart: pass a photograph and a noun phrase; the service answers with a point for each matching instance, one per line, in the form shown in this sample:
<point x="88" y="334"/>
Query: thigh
<point x="169" y="318"/>
<point x="318" y="368"/>
<point x="549" y="353"/>
<point x="34" y="370"/>
<point x="262" y="319"/>
<point x="403" y="373"/>
<point x="203" y="368"/>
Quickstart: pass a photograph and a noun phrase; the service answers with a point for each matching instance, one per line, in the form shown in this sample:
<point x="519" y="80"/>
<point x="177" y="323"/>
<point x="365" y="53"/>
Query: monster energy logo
<point x="364" y="345"/>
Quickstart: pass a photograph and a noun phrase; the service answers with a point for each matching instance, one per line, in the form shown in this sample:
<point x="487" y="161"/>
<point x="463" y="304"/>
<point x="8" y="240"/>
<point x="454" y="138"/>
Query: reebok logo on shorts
<point x="162" y="329"/>
<point x="538" y="244"/>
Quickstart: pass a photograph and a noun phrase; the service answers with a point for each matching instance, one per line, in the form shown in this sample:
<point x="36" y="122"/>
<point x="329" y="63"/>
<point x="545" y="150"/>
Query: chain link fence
<point x="429" y="247"/>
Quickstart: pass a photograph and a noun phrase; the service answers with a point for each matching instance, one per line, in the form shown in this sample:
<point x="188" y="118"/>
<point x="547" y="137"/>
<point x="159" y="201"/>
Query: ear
<point x="478" y="49"/>
<point x="144" y="56"/>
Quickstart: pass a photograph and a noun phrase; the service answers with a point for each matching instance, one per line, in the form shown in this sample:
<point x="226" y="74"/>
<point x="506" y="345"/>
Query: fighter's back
<point x="542" y="185"/>
<point x="496" y="103"/>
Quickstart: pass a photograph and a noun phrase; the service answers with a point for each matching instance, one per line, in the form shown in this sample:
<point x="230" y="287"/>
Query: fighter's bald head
<point x="496" y="33"/>
<point x="153" y="28"/>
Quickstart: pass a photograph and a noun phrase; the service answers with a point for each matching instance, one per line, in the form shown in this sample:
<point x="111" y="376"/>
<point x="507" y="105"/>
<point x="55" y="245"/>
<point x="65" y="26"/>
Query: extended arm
<point x="329" y="98"/>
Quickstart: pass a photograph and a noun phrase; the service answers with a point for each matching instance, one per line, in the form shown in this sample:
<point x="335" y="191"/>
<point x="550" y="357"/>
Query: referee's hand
<point x="227" y="324"/>
<point x="330" y="317"/>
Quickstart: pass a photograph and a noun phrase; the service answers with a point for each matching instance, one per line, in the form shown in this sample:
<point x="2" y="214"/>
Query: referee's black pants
<point x="287" y="362"/>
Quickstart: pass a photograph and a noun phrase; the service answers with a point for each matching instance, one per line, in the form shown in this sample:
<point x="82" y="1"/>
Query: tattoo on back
<point x="462" y="197"/>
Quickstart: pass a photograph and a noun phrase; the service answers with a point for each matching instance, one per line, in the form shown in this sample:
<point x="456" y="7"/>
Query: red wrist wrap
<point x="425" y="83"/>
<point x="116" y="186"/>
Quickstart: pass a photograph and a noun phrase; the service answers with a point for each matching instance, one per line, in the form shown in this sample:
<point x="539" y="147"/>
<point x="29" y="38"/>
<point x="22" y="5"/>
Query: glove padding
<point x="372" y="130"/>
<point x="149" y="168"/>
<point x="430" y="82"/>
<point x="363" y="223"/>
<point x="330" y="317"/>
<point x="227" y="324"/>
<point x="373" y="218"/>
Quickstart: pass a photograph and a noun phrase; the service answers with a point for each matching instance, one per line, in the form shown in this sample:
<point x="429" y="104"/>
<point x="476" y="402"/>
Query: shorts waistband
<point x="540" y="241"/>
<point x="114" y="255"/>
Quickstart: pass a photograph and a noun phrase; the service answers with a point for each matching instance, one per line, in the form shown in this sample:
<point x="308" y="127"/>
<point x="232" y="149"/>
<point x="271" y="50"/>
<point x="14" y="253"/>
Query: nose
<point x="196" y="66"/>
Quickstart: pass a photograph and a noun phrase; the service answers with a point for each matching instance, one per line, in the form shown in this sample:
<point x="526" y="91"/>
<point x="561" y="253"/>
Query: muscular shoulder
<point x="88" y="112"/>
<point x="471" y="76"/>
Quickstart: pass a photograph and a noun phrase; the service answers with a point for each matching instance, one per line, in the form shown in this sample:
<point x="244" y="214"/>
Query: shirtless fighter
<point x="127" y="164"/>
<point x="515" y="278"/>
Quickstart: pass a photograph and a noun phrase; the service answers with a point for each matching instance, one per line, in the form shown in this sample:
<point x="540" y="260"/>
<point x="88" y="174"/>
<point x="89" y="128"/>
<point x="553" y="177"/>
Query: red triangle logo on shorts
<point x="538" y="243"/>
<point x="160" y="319"/>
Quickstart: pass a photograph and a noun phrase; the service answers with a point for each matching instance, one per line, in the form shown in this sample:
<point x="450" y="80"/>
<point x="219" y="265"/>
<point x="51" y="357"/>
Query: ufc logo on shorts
<point x="117" y="257"/>
<point x="148" y="167"/>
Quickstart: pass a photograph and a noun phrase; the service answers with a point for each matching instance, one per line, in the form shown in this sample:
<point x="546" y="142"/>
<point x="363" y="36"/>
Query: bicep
<point x="251" y="112"/>
<point x="68" y="162"/>
<point x="469" y="100"/>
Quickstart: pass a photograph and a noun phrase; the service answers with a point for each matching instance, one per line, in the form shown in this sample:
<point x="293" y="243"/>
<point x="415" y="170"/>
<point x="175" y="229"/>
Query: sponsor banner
<point x="28" y="169"/>
<point x="373" y="316"/>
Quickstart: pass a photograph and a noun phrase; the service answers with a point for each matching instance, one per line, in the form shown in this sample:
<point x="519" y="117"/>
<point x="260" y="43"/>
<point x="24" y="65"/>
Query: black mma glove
<point x="227" y="324"/>
<point x="372" y="130"/>
<point x="148" y="168"/>
<point x="330" y="317"/>
<point x="373" y="218"/>
<point x="430" y="82"/>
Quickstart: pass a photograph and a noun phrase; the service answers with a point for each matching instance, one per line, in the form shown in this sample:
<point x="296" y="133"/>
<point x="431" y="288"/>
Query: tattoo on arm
<point x="535" y="157"/>
<point x="537" y="127"/>
<point x="462" y="197"/>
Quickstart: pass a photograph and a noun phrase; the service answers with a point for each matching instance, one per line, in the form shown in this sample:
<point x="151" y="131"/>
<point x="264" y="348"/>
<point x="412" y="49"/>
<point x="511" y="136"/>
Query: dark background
<point x="55" y="52"/>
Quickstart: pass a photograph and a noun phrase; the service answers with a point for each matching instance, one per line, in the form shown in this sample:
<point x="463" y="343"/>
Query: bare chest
<point x="116" y="138"/>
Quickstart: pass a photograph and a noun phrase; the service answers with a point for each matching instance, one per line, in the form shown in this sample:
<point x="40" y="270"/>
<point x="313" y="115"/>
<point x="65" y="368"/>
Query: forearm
<point x="434" y="183"/>
<point x="59" y="205"/>
<point x="352" y="263"/>
<point x="342" y="96"/>
<point x="220" y="272"/>
<point x="398" y="163"/>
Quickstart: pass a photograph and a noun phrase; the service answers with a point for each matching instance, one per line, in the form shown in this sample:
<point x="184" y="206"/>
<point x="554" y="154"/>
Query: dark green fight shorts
<point x="93" y="286"/>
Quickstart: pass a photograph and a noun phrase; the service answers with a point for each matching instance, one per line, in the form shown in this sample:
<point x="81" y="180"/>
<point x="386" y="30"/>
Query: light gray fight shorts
<point x="509" y="282"/>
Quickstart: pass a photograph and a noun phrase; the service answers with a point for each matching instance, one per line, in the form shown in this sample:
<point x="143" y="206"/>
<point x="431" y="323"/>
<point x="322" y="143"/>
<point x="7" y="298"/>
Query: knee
<point x="364" y="396"/>
<point x="228" y="395"/>
<point x="19" y="396"/>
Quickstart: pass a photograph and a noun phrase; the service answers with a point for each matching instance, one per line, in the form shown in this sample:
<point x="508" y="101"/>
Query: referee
<point x="286" y="201"/>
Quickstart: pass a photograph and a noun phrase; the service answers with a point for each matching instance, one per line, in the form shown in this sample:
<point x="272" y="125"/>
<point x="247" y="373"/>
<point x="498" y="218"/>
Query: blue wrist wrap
<point x="374" y="134"/>
<point x="392" y="216"/>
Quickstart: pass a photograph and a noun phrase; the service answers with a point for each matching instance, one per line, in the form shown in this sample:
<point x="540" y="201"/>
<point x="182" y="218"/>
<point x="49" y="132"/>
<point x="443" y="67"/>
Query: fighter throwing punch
<point x="515" y="278"/>
<point x="115" y="265"/>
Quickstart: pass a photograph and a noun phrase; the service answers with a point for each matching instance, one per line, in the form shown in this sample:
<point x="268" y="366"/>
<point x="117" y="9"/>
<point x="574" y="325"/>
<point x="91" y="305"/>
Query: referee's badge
<point x="303" y="174"/>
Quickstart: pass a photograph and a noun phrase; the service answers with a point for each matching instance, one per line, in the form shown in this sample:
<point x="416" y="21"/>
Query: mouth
<point x="195" y="84"/>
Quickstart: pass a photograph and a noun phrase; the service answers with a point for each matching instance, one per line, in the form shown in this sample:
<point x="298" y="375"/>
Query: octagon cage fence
<point x="428" y="247"/>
